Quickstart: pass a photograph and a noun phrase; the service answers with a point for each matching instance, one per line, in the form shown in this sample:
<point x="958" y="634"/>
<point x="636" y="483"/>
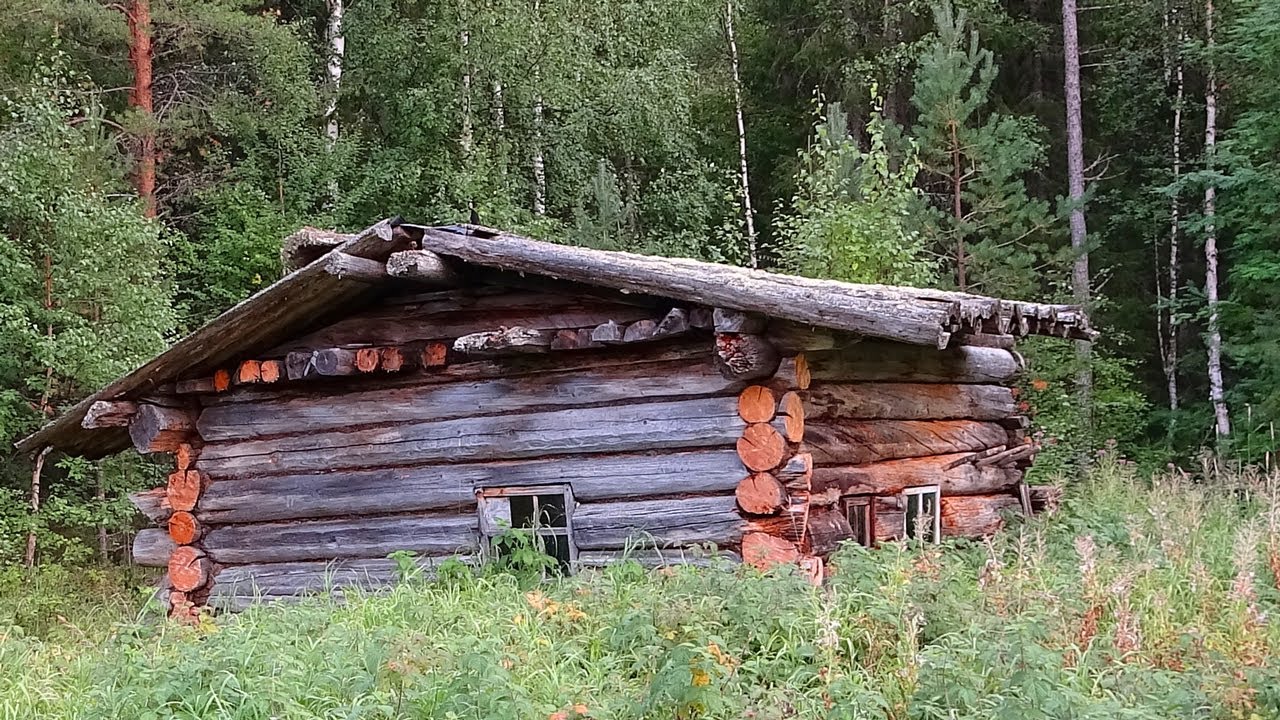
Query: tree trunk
<point x="1222" y="421"/>
<point x="337" y="50"/>
<point x="539" y="161"/>
<point x="101" y="497"/>
<point x="35" y="504"/>
<point x="1075" y="187"/>
<point x="748" y="215"/>
<point x="467" y="141"/>
<point x="138" y="16"/>
<point x="1167" y="317"/>
<point x="957" y="208"/>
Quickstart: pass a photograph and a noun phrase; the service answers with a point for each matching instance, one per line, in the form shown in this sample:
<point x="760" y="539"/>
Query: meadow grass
<point x="1140" y="598"/>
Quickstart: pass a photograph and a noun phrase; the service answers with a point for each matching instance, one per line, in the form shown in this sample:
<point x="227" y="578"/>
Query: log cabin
<point x="428" y="389"/>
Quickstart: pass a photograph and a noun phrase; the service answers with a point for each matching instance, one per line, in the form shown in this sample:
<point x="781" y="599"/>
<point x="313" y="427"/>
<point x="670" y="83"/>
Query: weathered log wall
<point x="675" y="427"/>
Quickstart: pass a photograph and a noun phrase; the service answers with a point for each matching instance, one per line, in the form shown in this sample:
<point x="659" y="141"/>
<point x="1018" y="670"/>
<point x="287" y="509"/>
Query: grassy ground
<point x="1139" y="599"/>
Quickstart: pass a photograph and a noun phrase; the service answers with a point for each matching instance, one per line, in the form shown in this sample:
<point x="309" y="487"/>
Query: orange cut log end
<point x="184" y="490"/>
<point x="184" y="528"/>
<point x="189" y="569"/>
<point x="761" y="447"/>
<point x="271" y="370"/>
<point x="183" y="456"/>
<point x="756" y="404"/>
<point x="803" y="377"/>
<point x="221" y="380"/>
<point x="763" y="551"/>
<point x="250" y="372"/>
<point x="761" y="494"/>
<point x="792" y="409"/>
<point x="367" y="359"/>
<point x="436" y="354"/>
<point x="392" y="359"/>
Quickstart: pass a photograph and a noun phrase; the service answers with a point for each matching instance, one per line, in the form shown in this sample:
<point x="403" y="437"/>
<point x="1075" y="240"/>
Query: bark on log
<point x="828" y="527"/>
<point x="745" y="357"/>
<point x="189" y="569"/>
<point x="109" y="413"/>
<point x="761" y="447"/>
<point x="908" y="401"/>
<point x="350" y="267"/>
<point x="505" y="341"/>
<point x="858" y="443"/>
<point x="756" y="404"/>
<point x="154" y="504"/>
<point x="763" y="551"/>
<point x="893" y="476"/>
<point x="975" y="515"/>
<point x="160" y="429"/>
<point x="792" y="409"/>
<point x="734" y="321"/>
<point x="429" y="402"/>
<point x="152" y="547"/>
<point x="657" y="523"/>
<point x="453" y="486"/>
<point x="422" y="267"/>
<point x="184" y="528"/>
<point x="348" y="538"/>
<point x="761" y="494"/>
<point x="898" y="362"/>
<point x="183" y="489"/>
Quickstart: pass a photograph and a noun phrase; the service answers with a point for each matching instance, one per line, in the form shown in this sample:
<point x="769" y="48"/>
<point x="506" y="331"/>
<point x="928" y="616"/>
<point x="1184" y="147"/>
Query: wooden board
<point x="860" y="442"/>
<point x="670" y="425"/>
<point x="438" y="487"/>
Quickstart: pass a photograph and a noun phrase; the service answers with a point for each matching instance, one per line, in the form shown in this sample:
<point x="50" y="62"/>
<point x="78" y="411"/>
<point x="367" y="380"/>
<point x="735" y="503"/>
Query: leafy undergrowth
<point x="1140" y="599"/>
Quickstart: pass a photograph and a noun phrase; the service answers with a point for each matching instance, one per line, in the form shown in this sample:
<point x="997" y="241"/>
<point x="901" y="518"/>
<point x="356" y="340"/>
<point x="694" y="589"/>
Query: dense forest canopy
<point x="156" y="151"/>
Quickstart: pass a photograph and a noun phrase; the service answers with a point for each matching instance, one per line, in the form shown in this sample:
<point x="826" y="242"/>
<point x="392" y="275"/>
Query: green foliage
<point x="1140" y="599"/>
<point x="975" y="164"/>
<point x="854" y="215"/>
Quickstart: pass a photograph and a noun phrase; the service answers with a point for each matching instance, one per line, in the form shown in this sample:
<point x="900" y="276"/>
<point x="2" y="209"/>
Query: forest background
<point x="153" y="153"/>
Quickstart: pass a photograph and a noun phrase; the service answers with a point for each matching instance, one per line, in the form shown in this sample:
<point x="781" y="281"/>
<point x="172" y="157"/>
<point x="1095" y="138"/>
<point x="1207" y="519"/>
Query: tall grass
<point x="1141" y="598"/>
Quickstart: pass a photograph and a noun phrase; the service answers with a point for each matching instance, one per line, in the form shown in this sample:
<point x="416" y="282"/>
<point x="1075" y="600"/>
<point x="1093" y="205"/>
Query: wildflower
<point x="1039" y="385"/>
<point x="701" y="678"/>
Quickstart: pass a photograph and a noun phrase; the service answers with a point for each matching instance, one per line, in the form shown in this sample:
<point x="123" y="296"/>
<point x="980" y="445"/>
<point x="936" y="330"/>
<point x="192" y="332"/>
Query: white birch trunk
<point x="539" y="161"/>
<point x="748" y="215"/>
<point x="1075" y="187"/>
<point x="1168" y="317"/>
<point x="467" y="139"/>
<point x="1222" y="420"/>
<point x="337" y="50"/>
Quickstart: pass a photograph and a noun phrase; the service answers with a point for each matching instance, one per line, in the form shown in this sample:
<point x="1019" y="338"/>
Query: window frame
<point x="488" y="498"/>
<point x="866" y="535"/>
<point x="916" y="494"/>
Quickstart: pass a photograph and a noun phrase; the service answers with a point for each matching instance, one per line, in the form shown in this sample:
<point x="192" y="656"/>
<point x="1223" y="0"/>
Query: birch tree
<point x="744" y="181"/>
<point x="337" y="50"/>
<point x="1075" y="189"/>
<point x="1222" y="420"/>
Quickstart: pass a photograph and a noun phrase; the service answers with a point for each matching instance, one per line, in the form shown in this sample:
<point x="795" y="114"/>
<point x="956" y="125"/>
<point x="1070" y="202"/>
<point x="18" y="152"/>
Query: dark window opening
<point x="859" y="512"/>
<point x="921" y="520"/>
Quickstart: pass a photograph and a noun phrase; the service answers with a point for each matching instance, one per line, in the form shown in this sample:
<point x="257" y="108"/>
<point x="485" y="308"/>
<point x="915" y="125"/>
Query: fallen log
<point x="160" y="429"/>
<point x="858" y="443"/>
<point x="908" y="401"/>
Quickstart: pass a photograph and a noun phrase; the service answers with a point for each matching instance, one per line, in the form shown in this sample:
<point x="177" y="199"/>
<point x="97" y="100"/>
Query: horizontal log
<point x="827" y="528"/>
<point x="350" y="267"/>
<point x="976" y="515"/>
<point x="160" y="429"/>
<point x="152" y="547"/>
<point x="153" y="504"/>
<point x="504" y="341"/>
<point x="405" y="324"/>
<point x="317" y="577"/>
<point x="704" y="422"/>
<point x="763" y="551"/>
<point x="657" y="557"/>
<point x="189" y="568"/>
<point x="435" y="534"/>
<point x="109" y="413"/>
<point x="745" y="357"/>
<point x="440" y="487"/>
<point x="249" y="372"/>
<point x="861" y="442"/>
<point x="657" y="523"/>
<point x="893" y="476"/>
<point x="725" y="320"/>
<point x="313" y="413"/>
<point x="897" y="362"/>
<point x="423" y="267"/>
<point x="908" y="401"/>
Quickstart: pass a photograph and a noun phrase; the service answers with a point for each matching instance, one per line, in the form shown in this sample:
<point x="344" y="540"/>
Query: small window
<point x="544" y="511"/>
<point x="858" y="510"/>
<point x="922" y="519"/>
